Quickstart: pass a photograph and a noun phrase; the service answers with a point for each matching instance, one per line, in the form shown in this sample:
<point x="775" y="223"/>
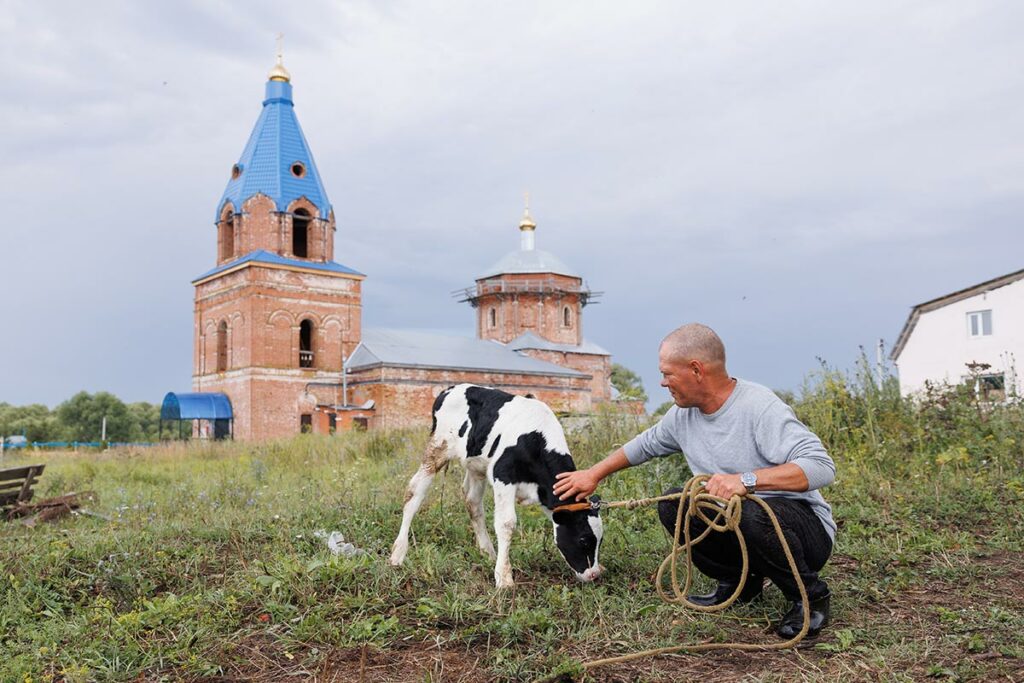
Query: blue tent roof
<point x="261" y="256"/>
<point x="199" y="406"/>
<point x="275" y="144"/>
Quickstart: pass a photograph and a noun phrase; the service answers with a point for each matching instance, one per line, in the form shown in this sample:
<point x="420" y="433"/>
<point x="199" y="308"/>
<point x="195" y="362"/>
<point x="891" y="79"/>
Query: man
<point x="743" y="435"/>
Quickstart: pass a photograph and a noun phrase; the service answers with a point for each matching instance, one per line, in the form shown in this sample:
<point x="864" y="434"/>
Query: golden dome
<point x="279" y="73"/>
<point x="527" y="222"/>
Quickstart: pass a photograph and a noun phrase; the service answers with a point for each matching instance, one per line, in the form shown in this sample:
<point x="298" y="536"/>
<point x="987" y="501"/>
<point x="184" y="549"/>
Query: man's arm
<point x="786" y="477"/>
<point x="582" y="483"/>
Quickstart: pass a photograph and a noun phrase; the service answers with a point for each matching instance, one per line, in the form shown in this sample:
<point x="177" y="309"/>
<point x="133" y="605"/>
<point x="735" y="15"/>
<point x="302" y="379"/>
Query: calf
<point x="518" y="445"/>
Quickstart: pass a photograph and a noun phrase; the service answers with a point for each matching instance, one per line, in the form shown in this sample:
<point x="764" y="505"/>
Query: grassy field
<point x="210" y="569"/>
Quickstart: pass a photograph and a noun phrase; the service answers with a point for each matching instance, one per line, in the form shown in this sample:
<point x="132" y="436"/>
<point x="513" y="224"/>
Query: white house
<point x="974" y="334"/>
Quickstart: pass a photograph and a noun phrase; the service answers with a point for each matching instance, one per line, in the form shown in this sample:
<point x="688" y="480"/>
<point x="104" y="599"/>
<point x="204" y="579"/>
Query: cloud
<point x="796" y="175"/>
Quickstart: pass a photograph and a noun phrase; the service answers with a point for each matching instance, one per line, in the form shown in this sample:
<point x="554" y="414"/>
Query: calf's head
<point x="578" y="537"/>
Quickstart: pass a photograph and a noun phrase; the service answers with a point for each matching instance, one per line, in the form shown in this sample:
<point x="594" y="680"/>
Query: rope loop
<point x="718" y="515"/>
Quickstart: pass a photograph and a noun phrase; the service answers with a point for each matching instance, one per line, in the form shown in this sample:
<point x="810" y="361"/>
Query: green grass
<point x="210" y="568"/>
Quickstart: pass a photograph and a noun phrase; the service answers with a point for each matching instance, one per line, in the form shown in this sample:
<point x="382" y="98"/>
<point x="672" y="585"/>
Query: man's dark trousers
<point x="718" y="555"/>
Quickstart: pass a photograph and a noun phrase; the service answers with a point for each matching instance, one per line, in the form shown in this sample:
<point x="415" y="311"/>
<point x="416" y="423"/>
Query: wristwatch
<point x="749" y="479"/>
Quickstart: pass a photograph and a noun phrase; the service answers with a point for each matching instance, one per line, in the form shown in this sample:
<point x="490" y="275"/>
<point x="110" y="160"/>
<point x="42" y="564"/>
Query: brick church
<point x="277" y="319"/>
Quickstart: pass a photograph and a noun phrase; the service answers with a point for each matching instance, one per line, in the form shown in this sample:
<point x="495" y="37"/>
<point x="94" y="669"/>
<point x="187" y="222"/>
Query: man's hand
<point x="725" y="486"/>
<point x="580" y="484"/>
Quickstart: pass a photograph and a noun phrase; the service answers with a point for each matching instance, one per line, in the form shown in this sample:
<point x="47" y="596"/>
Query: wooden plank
<point x="19" y="472"/>
<point x="15" y="485"/>
<point x="26" y="489"/>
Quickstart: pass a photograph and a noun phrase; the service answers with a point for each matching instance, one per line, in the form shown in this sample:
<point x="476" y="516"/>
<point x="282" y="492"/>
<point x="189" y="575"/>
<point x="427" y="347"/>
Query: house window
<point x="567" y="317"/>
<point x="306" y="344"/>
<point x="979" y="323"/>
<point x="306" y="423"/>
<point x="990" y="387"/>
<point x="332" y="423"/>
<point x="222" y="346"/>
<point x="492" y="317"/>
<point x="300" y="233"/>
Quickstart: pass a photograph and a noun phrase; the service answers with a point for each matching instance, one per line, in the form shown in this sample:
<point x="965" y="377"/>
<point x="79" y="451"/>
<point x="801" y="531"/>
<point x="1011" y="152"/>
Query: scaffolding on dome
<point x="511" y="288"/>
<point x="208" y="408"/>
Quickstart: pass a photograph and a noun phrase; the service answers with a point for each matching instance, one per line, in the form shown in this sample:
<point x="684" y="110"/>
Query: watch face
<point x="748" y="479"/>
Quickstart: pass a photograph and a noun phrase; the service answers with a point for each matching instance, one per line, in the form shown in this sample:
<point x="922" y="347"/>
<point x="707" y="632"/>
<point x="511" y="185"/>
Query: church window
<point x="306" y="344"/>
<point x="227" y="237"/>
<point x="567" y="317"/>
<point x="236" y="171"/>
<point x="298" y="169"/>
<point x="493" y="317"/>
<point x="300" y="233"/>
<point x="222" y="346"/>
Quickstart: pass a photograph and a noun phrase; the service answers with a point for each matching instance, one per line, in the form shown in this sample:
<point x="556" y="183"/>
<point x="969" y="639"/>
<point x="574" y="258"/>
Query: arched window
<point x="306" y="344"/>
<point x="300" y="233"/>
<point x="227" y="236"/>
<point x="493" y="317"/>
<point x="567" y="317"/>
<point x="222" y="346"/>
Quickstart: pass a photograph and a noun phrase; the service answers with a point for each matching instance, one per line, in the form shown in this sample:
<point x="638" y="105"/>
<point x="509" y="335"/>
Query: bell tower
<point x="276" y="315"/>
<point x="529" y="291"/>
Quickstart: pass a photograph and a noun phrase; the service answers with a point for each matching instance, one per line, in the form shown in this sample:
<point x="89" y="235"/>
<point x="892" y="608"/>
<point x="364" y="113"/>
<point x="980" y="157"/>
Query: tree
<point x="35" y="421"/>
<point x="82" y="416"/>
<point x="145" y="421"/>
<point x="627" y="383"/>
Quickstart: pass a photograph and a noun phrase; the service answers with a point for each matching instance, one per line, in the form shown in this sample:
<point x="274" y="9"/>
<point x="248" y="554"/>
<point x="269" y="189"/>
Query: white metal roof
<point x="528" y="340"/>
<point x="529" y="261"/>
<point x="412" y="348"/>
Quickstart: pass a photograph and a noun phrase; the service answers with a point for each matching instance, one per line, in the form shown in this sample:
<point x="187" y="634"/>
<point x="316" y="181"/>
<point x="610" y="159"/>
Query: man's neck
<point x="717" y="396"/>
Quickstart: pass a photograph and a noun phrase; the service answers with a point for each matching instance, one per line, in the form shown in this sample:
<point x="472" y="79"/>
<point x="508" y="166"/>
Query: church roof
<point x="274" y="147"/>
<point x="261" y="256"/>
<point x="412" y="348"/>
<point x="529" y="261"/>
<point x="528" y="340"/>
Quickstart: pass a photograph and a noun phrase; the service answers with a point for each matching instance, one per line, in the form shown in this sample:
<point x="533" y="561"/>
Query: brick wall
<point x="403" y="396"/>
<point x="597" y="366"/>
<point x="542" y="314"/>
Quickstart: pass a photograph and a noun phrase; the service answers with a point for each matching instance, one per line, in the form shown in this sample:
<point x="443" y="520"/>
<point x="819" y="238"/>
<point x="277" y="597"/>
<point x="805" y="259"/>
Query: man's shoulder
<point x="759" y="396"/>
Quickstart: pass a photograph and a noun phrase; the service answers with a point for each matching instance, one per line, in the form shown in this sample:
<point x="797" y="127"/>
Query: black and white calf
<point x="518" y="445"/>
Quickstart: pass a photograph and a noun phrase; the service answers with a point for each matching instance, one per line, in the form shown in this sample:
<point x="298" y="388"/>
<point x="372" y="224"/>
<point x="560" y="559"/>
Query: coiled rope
<point x="719" y="515"/>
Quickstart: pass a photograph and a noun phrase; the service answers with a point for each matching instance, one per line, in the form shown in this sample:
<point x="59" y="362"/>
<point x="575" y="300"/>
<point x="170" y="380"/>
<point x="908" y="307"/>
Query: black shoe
<point x="751" y="590"/>
<point x="793" y="621"/>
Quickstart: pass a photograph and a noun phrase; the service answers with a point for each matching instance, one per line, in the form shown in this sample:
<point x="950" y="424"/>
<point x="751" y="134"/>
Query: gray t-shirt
<point x="753" y="429"/>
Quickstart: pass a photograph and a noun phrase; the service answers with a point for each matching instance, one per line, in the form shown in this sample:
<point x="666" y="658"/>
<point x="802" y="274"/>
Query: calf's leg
<point x="504" y="525"/>
<point x="473" y="487"/>
<point x="433" y="460"/>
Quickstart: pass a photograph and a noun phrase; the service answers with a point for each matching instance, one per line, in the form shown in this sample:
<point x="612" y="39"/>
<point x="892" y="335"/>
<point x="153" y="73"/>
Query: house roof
<point x="947" y="299"/>
<point x="196" y="406"/>
<point x="261" y="256"/>
<point x="528" y="340"/>
<point x="412" y="348"/>
<point x="275" y="144"/>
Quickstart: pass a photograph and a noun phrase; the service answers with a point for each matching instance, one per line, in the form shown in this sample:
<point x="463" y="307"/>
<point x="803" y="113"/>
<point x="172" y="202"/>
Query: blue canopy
<point x="198" y="406"/>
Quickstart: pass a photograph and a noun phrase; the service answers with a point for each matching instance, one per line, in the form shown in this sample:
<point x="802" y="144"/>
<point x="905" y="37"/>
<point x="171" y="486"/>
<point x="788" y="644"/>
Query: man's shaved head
<point x="694" y="341"/>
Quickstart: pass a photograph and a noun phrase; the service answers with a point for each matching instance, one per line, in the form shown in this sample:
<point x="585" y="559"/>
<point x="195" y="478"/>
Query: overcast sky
<point x="796" y="175"/>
